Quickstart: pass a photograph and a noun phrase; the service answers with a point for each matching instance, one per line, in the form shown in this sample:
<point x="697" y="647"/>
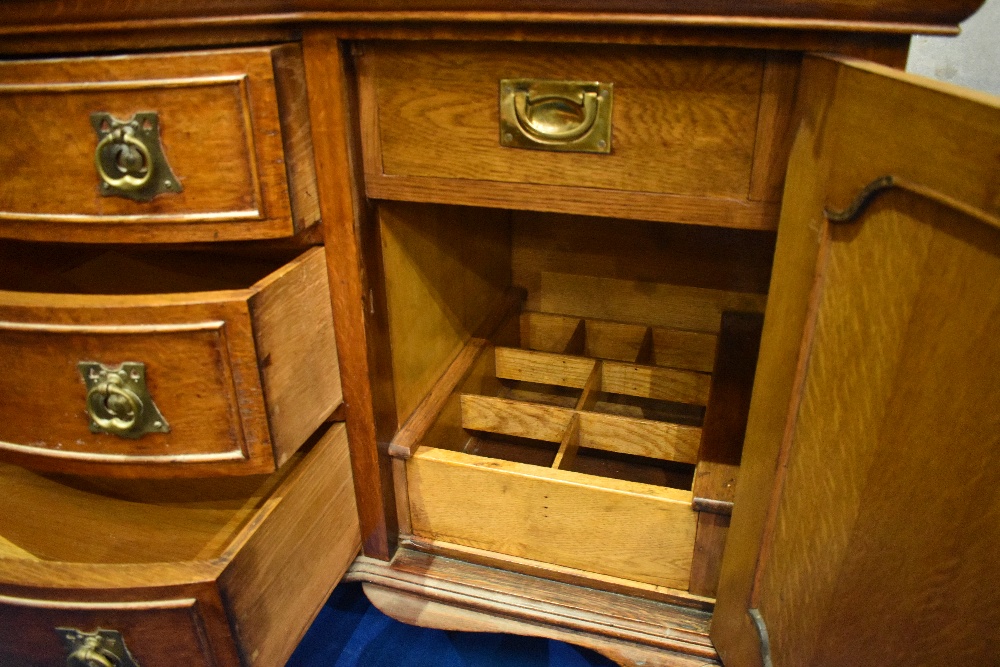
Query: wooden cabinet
<point x="548" y="346"/>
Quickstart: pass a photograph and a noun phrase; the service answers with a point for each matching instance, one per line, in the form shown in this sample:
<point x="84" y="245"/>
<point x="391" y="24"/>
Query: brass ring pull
<point x="551" y="117"/>
<point x="113" y="407"/>
<point x="89" y="654"/>
<point x="568" y="116"/>
<point x="127" y="181"/>
<point x="129" y="158"/>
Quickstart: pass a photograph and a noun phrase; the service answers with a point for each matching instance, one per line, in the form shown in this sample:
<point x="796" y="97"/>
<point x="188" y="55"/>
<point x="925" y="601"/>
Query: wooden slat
<point x="728" y="407"/>
<point x="635" y="531"/>
<point x="569" y="445"/>
<point x="662" y="384"/>
<point x="523" y="420"/>
<point x="639" y="437"/>
<point x="548" y="333"/>
<point x="542" y="367"/>
<point x="709" y="545"/>
<point x="423" y="418"/>
<point x="676" y="348"/>
<point x="658" y="304"/>
<point x="614" y="340"/>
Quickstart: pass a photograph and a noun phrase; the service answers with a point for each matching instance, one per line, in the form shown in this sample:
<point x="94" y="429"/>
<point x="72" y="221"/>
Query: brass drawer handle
<point x="556" y="115"/>
<point x="118" y="401"/>
<point x="102" y="648"/>
<point x="129" y="159"/>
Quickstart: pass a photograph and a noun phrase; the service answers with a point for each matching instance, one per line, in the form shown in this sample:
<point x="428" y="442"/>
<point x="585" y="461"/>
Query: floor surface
<point x="350" y="632"/>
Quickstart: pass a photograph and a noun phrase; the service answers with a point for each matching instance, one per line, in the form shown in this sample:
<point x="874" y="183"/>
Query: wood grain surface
<point x="221" y="128"/>
<point x="622" y="529"/>
<point x="446" y="269"/>
<point x="347" y="233"/>
<point x="885" y="475"/>
<point x="684" y="119"/>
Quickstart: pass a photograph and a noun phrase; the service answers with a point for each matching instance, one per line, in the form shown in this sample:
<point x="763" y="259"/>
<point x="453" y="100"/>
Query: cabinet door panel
<point x="867" y="510"/>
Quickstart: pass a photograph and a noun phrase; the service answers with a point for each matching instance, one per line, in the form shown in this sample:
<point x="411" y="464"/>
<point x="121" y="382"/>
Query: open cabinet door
<point x="866" y="528"/>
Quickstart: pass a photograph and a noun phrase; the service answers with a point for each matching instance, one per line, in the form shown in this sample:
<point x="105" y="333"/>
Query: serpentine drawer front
<point x="670" y="134"/>
<point x="169" y="147"/>
<point x="200" y="574"/>
<point x="164" y="363"/>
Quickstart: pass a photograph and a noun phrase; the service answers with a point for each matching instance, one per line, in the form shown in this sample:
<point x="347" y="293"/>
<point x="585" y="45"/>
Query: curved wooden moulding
<point x="435" y="592"/>
<point x="850" y="15"/>
<point x="174" y="565"/>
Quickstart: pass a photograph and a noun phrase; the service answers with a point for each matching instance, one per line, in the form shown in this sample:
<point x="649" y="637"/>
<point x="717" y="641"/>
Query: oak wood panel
<point x="446" y="269"/>
<point x="612" y="433"/>
<point x="201" y="361"/>
<point x="662" y="384"/>
<point x="888" y="439"/>
<point x="774" y="136"/>
<point x="283" y="573"/>
<point x="659" y="304"/>
<point x="558" y="369"/>
<point x="728" y="406"/>
<point x="361" y="337"/>
<point x="691" y="113"/>
<point x="623" y="529"/>
<point x="221" y="129"/>
<point x="552" y="572"/>
<point x="296" y="346"/>
<point x="706" y="258"/>
<point x="779" y="368"/>
<point x="709" y="545"/>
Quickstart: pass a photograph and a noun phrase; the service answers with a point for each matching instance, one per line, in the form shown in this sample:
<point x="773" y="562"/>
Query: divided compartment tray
<point x="583" y="443"/>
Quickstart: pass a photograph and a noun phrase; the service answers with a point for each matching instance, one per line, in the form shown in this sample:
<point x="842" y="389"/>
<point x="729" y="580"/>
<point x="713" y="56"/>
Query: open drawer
<point x="605" y="447"/>
<point x="213" y="573"/>
<point x="131" y="362"/>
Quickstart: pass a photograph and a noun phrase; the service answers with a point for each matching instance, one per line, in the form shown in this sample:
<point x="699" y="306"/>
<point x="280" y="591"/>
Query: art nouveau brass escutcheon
<point x="573" y="116"/>
<point x="129" y="159"/>
<point x="118" y="401"/>
<point x="101" y="648"/>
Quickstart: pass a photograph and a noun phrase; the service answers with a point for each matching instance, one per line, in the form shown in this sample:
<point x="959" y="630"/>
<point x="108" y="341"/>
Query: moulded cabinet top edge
<point x="868" y="15"/>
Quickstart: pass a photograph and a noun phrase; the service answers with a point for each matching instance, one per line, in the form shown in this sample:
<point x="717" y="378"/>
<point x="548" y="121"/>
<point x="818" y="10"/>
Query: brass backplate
<point x="101" y="647"/>
<point x="118" y="401"/>
<point x="129" y="159"/>
<point x="570" y="116"/>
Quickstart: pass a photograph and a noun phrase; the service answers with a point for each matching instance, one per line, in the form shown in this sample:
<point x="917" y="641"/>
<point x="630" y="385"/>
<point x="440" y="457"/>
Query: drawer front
<point x="689" y="132"/>
<point x="241" y="378"/>
<point x="553" y="516"/>
<point x="155" y="633"/>
<point x="224" y="123"/>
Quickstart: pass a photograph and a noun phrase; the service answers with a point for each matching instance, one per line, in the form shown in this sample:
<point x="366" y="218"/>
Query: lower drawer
<point x="212" y="573"/>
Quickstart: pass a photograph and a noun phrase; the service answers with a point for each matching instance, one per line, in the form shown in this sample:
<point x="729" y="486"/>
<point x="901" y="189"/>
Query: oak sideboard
<point x="668" y="329"/>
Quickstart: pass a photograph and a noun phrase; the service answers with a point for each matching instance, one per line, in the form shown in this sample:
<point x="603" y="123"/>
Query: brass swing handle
<point x="556" y="115"/>
<point x="534" y="117"/>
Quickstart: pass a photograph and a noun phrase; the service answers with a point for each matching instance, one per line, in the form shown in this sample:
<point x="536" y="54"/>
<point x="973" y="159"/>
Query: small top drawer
<point x="163" y="364"/>
<point x="156" y="148"/>
<point x="692" y="134"/>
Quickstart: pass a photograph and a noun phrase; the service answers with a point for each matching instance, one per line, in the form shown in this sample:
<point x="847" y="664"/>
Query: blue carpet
<point x="350" y="632"/>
